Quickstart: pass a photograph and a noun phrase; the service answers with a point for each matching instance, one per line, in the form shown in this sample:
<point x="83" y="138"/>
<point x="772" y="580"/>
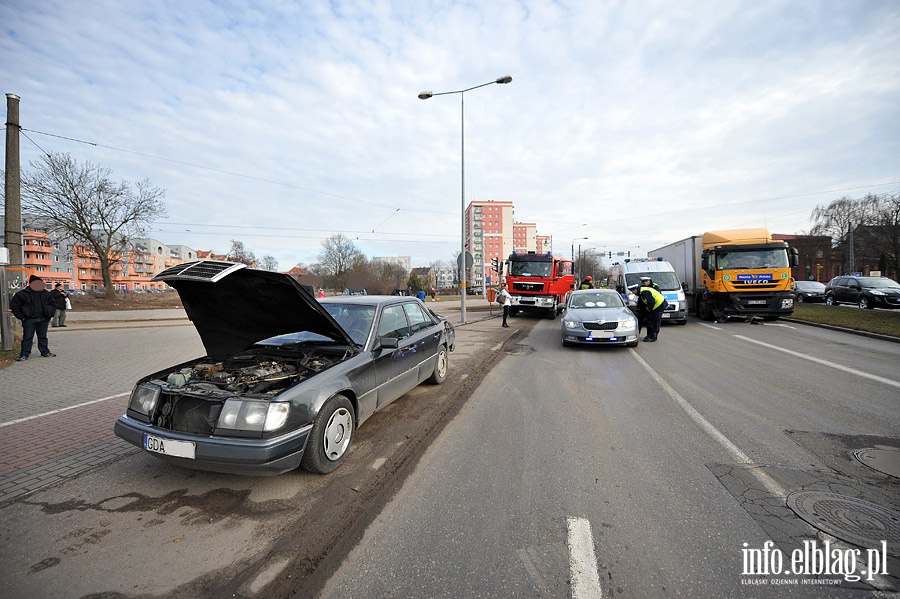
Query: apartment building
<point x="488" y="234"/>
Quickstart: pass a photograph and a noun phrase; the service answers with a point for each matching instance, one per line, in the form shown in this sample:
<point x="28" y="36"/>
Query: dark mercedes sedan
<point x="287" y="378"/>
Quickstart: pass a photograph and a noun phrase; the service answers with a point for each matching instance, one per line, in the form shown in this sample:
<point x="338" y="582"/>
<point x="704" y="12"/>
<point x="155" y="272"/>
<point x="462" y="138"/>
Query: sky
<point x="632" y="124"/>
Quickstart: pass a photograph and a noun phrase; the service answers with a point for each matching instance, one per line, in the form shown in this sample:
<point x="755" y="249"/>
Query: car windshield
<point x="736" y="259"/>
<point x="878" y="283"/>
<point x="667" y="281"/>
<point x="810" y="285"/>
<point x="530" y="269"/>
<point x="606" y="299"/>
<point x="355" y="319"/>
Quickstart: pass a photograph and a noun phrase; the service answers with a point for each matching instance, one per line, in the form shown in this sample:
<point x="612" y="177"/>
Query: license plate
<point x="666" y="315"/>
<point x="756" y="302"/>
<point x="181" y="449"/>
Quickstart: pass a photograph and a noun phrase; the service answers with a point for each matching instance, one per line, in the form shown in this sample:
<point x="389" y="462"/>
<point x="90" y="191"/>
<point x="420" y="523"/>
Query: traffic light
<point x="495" y="264"/>
<point x="609" y="255"/>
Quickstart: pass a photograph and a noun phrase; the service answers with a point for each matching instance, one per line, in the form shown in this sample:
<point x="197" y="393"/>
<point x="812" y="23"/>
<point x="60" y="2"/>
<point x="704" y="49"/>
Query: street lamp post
<point x="462" y="242"/>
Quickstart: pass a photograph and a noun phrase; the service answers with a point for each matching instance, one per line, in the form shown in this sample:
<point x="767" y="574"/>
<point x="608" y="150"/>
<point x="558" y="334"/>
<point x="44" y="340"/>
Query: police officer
<point x="644" y="281"/>
<point x="654" y="304"/>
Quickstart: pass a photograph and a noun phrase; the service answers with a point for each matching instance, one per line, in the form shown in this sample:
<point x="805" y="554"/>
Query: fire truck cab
<point x="539" y="283"/>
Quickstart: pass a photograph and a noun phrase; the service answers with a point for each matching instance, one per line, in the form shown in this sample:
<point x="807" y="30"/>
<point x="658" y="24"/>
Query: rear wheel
<point x="330" y="437"/>
<point x="705" y="310"/>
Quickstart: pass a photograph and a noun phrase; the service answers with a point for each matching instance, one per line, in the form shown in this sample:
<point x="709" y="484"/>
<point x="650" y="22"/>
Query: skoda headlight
<point x="572" y="324"/>
<point x="144" y="398"/>
<point x="627" y="323"/>
<point x="250" y="415"/>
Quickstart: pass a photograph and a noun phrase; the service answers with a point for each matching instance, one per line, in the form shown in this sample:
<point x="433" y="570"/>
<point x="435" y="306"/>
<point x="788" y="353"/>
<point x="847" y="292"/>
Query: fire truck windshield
<point x="530" y="269"/>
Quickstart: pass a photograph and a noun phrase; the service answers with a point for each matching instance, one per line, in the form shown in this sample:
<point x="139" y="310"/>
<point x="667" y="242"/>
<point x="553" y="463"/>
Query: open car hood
<point x="233" y="306"/>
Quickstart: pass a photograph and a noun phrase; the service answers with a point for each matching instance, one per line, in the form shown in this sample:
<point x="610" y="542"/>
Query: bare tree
<point x="839" y="219"/>
<point x="337" y="257"/>
<point x="887" y="230"/>
<point x="239" y="253"/>
<point x="82" y="201"/>
<point x="269" y="263"/>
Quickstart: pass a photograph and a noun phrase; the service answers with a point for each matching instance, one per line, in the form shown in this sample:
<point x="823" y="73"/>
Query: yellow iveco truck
<point x="740" y="272"/>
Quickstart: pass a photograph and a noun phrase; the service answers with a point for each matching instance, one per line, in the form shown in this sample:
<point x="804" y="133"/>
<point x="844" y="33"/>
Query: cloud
<point x="282" y="123"/>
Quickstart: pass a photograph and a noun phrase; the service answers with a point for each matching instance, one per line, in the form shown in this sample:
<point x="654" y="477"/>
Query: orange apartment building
<point x="77" y="267"/>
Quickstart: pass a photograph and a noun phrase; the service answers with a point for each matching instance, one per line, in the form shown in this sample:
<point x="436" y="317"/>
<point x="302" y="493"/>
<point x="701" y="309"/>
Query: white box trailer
<point x="684" y="256"/>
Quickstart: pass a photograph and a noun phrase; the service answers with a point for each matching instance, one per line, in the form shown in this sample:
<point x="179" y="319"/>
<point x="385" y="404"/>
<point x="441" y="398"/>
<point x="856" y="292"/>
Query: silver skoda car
<point x="598" y="317"/>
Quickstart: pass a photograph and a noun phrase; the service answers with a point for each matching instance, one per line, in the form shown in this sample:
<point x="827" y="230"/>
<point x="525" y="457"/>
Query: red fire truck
<point x="539" y="282"/>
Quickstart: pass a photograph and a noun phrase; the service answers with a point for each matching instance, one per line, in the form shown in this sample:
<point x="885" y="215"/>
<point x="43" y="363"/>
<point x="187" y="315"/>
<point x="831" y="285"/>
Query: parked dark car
<point x="287" y="378"/>
<point x="865" y="292"/>
<point x="809" y="291"/>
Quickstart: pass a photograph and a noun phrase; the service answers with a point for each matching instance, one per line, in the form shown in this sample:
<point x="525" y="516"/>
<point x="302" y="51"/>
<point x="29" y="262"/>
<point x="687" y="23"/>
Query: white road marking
<point x="709" y="326"/>
<point x="739" y="456"/>
<point x="770" y="484"/>
<point x="81" y="405"/>
<point x="582" y="560"/>
<point x="865" y="375"/>
<point x="780" y="324"/>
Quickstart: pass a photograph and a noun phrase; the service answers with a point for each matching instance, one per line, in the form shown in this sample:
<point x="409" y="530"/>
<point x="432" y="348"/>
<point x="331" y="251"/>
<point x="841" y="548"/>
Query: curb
<point x="832" y="327"/>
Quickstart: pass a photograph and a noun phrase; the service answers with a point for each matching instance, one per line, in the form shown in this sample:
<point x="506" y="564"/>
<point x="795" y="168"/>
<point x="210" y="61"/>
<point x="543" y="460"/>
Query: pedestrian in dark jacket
<point x="654" y="304"/>
<point x="59" y="296"/>
<point x="34" y="307"/>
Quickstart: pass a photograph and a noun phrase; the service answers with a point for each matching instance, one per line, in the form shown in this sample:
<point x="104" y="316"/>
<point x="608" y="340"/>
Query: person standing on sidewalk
<point x="505" y="301"/>
<point x="34" y="307"/>
<point x="60" y="300"/>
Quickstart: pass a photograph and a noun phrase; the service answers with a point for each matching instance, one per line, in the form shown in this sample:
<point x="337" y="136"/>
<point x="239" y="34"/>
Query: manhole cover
<point x="886" y="461"/>
<point x="849" y="519"/>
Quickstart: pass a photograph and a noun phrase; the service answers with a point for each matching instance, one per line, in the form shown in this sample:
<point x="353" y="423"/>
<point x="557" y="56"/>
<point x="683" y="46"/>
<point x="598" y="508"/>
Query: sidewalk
<point x="48" y="441"/>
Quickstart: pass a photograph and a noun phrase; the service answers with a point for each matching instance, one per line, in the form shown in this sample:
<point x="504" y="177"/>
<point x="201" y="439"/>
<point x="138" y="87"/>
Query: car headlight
<point x="876" y="292"/>
<point x="144" y="398"/>
<point x="572" y="324"/>
<point x="250" y="415"/>
<point x="627" y="323"/>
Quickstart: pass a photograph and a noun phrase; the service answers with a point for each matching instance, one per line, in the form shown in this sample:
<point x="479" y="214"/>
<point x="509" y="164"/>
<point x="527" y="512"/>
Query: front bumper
<point x="759" y="304"/>
<point x="533" y="301"/>
<point x="230" y="455"/>
<point x="616" y="337"/>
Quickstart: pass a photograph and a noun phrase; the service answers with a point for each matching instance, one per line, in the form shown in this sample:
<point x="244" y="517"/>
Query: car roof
<point x="368" y="300"/>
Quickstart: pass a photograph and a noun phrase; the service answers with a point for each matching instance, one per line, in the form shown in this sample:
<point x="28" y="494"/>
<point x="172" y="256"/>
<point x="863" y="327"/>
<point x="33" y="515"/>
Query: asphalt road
<point x="675" y="454"/>
<point x="535" y="471"/>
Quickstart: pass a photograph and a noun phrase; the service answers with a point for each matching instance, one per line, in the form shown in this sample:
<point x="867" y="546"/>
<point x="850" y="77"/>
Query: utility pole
<point x="13" y="221"/>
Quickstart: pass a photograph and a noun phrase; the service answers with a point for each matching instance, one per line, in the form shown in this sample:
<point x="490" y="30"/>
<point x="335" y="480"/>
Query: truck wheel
<point x="513" y="311"/>
<point x="705" y="310"/>
<point x="551" y="313"/>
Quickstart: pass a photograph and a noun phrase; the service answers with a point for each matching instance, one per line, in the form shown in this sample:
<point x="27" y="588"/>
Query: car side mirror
<point x="388" y="343"/>
<point x="684" y="286"/>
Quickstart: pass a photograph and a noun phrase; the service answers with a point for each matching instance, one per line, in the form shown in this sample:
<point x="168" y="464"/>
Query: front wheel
<point x="440" y="367"/>
<point x="800" y="299"/>
<point x="865" y="303"/>
<point x="829" y="300"/>
<point x="329" y="440"/>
